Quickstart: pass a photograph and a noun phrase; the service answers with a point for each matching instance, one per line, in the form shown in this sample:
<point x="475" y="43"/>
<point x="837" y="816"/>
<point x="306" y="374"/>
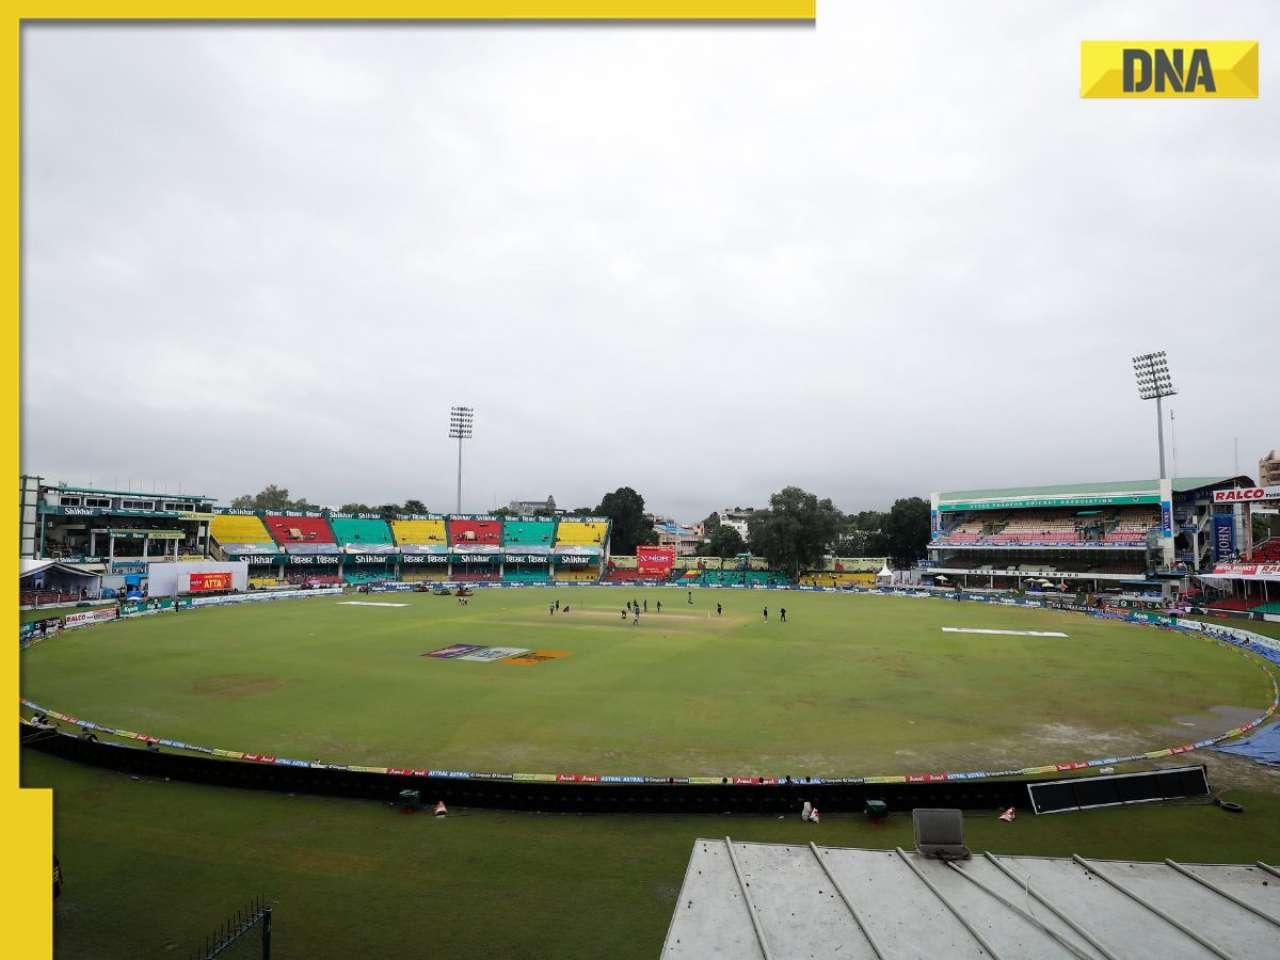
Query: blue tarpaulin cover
<point x="1262" y="745"/>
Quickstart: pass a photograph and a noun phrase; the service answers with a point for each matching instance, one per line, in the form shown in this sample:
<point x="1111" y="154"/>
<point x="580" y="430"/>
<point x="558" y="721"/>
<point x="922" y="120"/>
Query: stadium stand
<point x="419" y="532"/>
<point x="578" y="533"/>
<point x="423" y="574"/>
<point x="479" y="573"/>
<point x="576" y="574"/>
<point x="1268" y="551"/>
<point x="315" y="579"/>
<point x="1114" y="528"/>
<point x="532" y="574"/>
<point x="40" y="598"/>
<point x="297" y="531"/>
<point x="528" y="533"/>
<point x="232" y="528"/>
<point x="367" y="576"/>
<point x="359" y="532"/>
<point x="475" y="532"/>
<point x="616" y="575"/>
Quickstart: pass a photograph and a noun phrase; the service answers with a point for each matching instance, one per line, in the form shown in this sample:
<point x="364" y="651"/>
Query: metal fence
<point x="243" y="935"/>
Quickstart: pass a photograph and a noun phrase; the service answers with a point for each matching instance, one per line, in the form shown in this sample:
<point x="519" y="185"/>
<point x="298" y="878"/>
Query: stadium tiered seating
<point x="290" y="531"/>
<point x="366" y="576"/>
<point x="316" y="579"/>
<point x="352" y="532"/>
<point x="475" y="532"/>
<point x="418" y="575"/>
<point x="419" y="532"/>
<point x="622" y="576"/>
<point x="40" y="598"/>
<point x="536" y="574"/>
<point x="1229" y="603"/>
<point x="1273" y="607"/>
<point x="1268" y="551"/>
<point x="528" y="533"/>
<point x="482" y="574"/>
<point x="577" y="574"/>
<point x="577" y="533"/>
<point x="232" y="528"/>
<point x="1125" y="527"/>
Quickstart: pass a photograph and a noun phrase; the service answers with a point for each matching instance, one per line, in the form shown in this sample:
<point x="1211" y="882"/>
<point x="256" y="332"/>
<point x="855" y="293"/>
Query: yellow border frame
<point x="26" y="917"/>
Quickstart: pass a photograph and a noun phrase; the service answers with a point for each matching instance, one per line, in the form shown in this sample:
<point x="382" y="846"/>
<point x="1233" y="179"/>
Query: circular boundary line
<point x="1206" y="632"/>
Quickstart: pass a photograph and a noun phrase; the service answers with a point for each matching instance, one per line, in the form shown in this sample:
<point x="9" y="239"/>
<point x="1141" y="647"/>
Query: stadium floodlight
<point x="1155" y="383"/>
<point x="460" y="420"/>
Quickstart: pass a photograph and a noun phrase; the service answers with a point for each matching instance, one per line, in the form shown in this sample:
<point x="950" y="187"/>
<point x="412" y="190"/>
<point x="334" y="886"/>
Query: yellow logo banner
<point x="1118" y="69"/>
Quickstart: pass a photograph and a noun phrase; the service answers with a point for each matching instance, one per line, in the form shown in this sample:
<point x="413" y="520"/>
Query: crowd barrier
<point x="541" y="790"/>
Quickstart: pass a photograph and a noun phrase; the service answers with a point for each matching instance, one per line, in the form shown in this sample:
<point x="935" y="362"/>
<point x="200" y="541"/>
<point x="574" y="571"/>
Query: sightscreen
<point x="1083" y="793"/>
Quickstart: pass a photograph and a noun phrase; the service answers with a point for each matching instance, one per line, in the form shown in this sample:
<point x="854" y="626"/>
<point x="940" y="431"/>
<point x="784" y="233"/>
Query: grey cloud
<point x="888" y="254"/>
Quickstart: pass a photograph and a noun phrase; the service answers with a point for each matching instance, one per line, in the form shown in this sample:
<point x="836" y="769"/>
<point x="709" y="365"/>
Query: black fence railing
<point x="541" y="796"/>
<point x="245" y="933"/>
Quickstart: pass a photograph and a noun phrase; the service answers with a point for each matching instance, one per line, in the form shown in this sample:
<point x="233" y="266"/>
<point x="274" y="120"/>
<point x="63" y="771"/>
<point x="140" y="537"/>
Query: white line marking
<point x="368" y="603"/>
<point x="1011" y="633"/>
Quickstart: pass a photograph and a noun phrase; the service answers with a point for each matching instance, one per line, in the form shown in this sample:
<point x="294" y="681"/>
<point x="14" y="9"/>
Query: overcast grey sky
<point x="888" y="254"/>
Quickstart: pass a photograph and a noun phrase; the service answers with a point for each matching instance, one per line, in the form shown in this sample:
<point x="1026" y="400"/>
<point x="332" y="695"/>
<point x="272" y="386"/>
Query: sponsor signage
<point x="313" y="559"/>
<point x="369" y="557"/>
<point x="87" y="617"/>
<point x="1246" y="494"/>
<point x="1247" y="571"/>
<point x="1224" y="535"/>
<point x="209" y="582"/>
<point x="655" y="562"/>
<point x="1125" y="499"/>
<point x="492" y="654"/>
<point x="421" y="559"/>
<point x="452" y="651"/>
<point x="526" y="558"/>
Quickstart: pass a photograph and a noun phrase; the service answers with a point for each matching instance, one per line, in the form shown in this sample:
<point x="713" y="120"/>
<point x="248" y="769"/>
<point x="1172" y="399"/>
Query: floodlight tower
<point x="460" y="419"/>
<point x="1155" y="383"/>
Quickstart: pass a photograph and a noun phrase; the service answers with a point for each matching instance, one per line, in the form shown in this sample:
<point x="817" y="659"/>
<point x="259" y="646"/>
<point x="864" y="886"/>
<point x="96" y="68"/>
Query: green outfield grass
<point x="852" y="685"/>
<point x="151" y="866"/>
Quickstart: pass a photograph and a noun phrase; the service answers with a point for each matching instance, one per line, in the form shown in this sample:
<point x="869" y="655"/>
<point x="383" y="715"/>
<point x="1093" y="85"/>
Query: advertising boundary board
<point x="1230" y="638"/>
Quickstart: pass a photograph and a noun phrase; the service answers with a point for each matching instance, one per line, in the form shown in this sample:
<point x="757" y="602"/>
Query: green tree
<point x="355" y="508"/>
<point x="625" y="508"/>
<point x="906" y="529"/>
<point x="863" y="535"/>
<point x="724" y="542"/>
<point x="711" y="524"/>
<point x="795" y="531"/>
<point x="271" y="498"/>
<point x="415" y="506"/>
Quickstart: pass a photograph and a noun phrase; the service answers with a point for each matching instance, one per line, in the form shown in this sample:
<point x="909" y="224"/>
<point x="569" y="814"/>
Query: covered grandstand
<point x="323" y="547"/>
<point x="1126" y="534"/>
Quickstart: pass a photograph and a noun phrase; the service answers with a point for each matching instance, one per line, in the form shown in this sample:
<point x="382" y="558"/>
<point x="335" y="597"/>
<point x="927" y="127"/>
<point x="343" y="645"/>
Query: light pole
<point x="460" y="419"/>
<point x="1154" y="383"/>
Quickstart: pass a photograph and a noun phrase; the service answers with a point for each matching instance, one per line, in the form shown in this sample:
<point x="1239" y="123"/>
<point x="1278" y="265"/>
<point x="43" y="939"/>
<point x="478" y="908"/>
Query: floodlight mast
<point x="1151" y="370"/>
<point x="460" y="420"/>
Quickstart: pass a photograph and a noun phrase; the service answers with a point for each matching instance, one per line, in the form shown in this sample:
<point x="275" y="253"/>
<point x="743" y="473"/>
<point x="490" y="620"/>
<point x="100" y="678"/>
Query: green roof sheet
<point x="1110" y="487"/>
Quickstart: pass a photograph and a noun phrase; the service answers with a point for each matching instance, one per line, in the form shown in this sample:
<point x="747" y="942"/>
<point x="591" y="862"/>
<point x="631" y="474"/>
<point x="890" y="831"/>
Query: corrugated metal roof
<point x="1147" y="487"/>
<point x="793" y="901"/>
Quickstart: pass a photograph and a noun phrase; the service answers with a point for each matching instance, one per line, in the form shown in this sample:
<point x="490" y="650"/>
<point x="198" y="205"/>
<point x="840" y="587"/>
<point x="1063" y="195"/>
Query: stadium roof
<point x="1145" y="487"/>
<point x="81" y="488"/>
<point x="792" y="901"/>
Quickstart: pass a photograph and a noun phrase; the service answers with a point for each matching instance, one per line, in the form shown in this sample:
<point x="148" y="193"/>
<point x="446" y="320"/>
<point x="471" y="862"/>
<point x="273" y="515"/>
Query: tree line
<point x="793" y="533"/>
